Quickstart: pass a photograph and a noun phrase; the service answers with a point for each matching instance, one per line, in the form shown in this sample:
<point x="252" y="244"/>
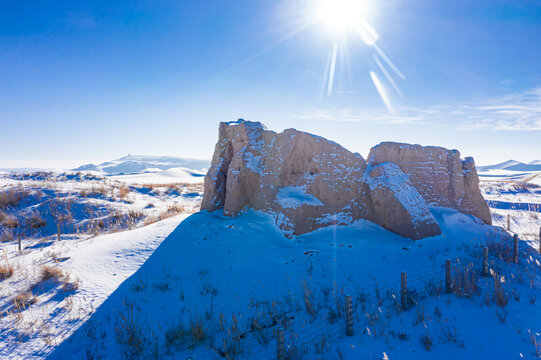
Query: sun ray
<point x="367" y="33"/>
<point x="345" y="50"/>
<point x="383" y="93"/>
<point x="333" y="68"/>
<point x="298" y="30"/>
<point x="325" y="76"/>
<point x="388" y="61"/>
<point x="388" y="76"/>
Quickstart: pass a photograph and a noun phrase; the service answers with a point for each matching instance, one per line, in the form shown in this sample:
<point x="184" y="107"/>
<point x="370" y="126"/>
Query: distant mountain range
<point x="136" y="164"/>
<point x="513" y="165"/>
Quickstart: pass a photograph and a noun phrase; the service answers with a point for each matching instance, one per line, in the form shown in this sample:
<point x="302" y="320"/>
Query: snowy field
<point x="139" y="273"/>
<point x="514" y="195"/>
<point x="80" y="234"/>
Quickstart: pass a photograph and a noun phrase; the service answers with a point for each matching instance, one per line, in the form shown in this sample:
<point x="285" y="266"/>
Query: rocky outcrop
<point x="438" y="174"/>
<point x="398" y="205"/>
<point x="307" y="182"/>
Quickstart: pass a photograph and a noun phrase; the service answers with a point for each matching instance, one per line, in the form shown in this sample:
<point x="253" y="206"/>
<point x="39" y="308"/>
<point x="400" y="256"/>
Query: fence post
<point x="448" y="276"/>
<point x="540" y="239"/>
<point x="404" y="290"/>
<point x="349" y="316"/>
<point x="515" y="249"/>
<point x="508" y="222"/>
<point x="280" y="345"/>
<point x="485" y="261"/>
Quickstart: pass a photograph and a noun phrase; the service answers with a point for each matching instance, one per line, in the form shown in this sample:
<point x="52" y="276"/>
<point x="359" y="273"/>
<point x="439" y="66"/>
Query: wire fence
<point x="311" y="336"/>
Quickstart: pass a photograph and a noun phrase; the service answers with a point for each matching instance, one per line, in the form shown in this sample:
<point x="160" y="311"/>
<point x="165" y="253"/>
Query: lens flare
<point x="339" y="15"/>
<point x="349" y="17"/>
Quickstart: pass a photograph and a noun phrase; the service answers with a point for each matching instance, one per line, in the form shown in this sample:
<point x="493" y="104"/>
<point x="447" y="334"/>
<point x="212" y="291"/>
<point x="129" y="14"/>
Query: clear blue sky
<point x="88" y="81"/>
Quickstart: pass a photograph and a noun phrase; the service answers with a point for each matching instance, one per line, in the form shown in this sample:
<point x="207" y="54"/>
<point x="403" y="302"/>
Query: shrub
<point x="9" y="221"/>
<point x="70" y="285"/>
<point x="501" y="247"/>
<point x="35" y="221"/>
<point x="23" y="300"/>
<point x="6" y="271"/>
<point x="130" y="333"/>
<point x="426" y="341"/>
<point x="49" y="272"/>
<point x="123" y="192"/>
<point x="175" y="335"/>
<point x="464" y="281"/>
<point x="6" y="235"/>
<point x="197" y="329"/>
<point x="12" y="197"/>
<point x="501" y="298"/>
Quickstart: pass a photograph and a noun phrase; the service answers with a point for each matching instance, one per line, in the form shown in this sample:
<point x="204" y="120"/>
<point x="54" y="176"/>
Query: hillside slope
<point x="140" y="163"/>
<point x="219" y="287"/>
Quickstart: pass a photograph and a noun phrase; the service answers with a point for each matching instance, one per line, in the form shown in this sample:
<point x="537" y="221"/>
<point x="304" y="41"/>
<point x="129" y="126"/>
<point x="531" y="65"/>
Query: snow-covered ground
<point x="40" y="204"/>
<point x="133" y="164"/>
<point x="513" y="190"/>
<point x="157" y="176"/>
<point x="95" y="266"/>
<point x="77" y="244"/>
<point x="221" y="286"/>
<point x="141" y="283"/>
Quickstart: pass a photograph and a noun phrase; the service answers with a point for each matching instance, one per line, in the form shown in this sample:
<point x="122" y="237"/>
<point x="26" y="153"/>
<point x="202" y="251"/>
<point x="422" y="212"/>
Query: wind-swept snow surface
<point x="219" y="286"/>
<point x="98" y="265"/>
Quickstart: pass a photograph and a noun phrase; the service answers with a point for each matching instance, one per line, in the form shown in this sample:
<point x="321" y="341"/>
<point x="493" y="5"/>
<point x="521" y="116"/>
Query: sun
<point x="341" y="15"/>
<point x="350" y="19"/>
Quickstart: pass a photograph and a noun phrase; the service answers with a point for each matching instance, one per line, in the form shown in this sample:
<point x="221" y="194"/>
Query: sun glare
<point x="345" y="18"/>
<point x="340" y="15"/>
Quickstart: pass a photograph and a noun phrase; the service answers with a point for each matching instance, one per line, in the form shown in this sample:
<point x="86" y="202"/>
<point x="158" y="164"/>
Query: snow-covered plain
<point x="92" y="214"/>
<point x="134" y="164"/>
<point x="515" y="194"/>
<point x="206" y="286"/>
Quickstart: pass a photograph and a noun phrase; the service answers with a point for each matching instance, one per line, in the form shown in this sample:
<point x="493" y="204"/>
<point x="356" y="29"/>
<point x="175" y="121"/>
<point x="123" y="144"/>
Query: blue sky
<point x="88" y="81"/>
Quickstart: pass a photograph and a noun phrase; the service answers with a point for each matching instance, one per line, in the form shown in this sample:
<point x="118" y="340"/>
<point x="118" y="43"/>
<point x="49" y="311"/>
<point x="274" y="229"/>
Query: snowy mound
<point x="139" y="163"/>
<point x="157" y="176"/>
<point x="512" y="170"/>
<point x="513" y="165"/>
<point x="220" y="285"/>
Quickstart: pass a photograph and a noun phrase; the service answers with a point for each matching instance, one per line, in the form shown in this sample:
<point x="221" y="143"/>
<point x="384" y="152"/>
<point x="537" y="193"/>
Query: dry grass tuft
<point x="35" y="221"/>
<point x="171" y="211"/>
<point x="23" y="300"/>
<point x="426" y="341"/>
<point x="464" y="281"/>
<point x="123" y="192"/>
<point x="197" y="329"/>
<point x="6" y="235"/>
<point x="501" y="298"/>
<point x="12" y="197"/>
<point x="6" y="271"/>
<point x="9" y="221"/>
<point x="49" y="272"/>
